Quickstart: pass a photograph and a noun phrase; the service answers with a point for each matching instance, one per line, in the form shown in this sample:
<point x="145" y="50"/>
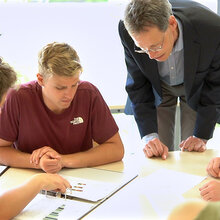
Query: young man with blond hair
<point x="51" y="123"/>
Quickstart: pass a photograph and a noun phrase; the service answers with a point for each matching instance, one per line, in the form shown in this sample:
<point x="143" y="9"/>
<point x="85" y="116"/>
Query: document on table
<point x="49" y="207"/>
<point x="92" y="190"/>
<point x="93" y="184"/>
<point x="164" y="189"/>
<point x="85" y="195"/>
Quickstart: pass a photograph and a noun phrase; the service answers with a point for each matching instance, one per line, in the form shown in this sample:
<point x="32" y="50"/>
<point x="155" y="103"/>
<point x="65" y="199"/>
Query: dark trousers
<point x="166" y="113"/>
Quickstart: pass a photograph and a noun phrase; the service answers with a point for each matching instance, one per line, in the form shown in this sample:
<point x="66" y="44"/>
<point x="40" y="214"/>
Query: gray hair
<point x="7" y="78"/>
<point x="58" y="59"/>
<point x="140" y="14"/>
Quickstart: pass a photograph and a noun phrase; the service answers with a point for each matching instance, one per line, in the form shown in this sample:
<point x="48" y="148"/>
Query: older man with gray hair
<point x="172" y="52"/>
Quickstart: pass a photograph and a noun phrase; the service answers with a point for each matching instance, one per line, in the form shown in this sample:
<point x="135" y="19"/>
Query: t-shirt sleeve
<point x="103" y="123"/>
<point x="9" y="117"/>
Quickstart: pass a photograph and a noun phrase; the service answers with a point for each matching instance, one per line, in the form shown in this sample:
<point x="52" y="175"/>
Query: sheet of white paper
<point x="42" y="206"/>
<point x="164" y="189"/>
<point x="89" y="189"/>
<point x="170" y="181"/>
<point x="163" y="203"/>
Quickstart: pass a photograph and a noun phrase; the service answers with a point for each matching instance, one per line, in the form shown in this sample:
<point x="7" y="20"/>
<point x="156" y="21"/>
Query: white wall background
<point x="91" y="28"/>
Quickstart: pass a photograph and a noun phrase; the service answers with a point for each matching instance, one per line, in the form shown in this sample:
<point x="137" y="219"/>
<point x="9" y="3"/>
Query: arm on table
<point x="10" y="156"/>
<point x="110" y="151"/>
<point x="14" y="201"/>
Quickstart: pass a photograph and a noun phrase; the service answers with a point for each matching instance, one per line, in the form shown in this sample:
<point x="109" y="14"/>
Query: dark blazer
<point x="201" y="38"/>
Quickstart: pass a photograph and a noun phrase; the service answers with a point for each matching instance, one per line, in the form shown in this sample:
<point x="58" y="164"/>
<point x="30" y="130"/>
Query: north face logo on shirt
<point x="77" y="121"/>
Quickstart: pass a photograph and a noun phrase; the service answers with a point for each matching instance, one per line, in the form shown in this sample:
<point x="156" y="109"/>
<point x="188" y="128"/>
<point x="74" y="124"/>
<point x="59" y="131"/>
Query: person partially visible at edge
<point x="13" y="201"/>
<point x="172" y="51"/>
<point x="210" y="191"/>
<point x="52" y="122"/>
<point x="195" y="209"/>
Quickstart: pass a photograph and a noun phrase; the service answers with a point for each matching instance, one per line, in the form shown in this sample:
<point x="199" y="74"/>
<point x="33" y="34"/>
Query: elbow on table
<point x="119" y="155"/>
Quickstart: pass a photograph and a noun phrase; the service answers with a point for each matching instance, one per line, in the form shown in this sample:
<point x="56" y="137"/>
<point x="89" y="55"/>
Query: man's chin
<point x="65" y="105"/>
<point x="161" y="58"/>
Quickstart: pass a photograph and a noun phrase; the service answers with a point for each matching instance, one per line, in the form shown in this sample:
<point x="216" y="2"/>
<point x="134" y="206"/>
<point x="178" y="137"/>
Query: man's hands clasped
<point x="47" y="159"/>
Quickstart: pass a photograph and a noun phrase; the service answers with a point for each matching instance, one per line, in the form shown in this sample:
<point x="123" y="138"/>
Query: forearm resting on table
<point x="15" y="158"/>
<point x="107" y="152"/>
<point x="14" y="200"/>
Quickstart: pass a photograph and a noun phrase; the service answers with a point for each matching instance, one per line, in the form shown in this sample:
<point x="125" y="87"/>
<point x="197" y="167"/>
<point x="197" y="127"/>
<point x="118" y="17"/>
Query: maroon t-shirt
<point x="28" y="123"/>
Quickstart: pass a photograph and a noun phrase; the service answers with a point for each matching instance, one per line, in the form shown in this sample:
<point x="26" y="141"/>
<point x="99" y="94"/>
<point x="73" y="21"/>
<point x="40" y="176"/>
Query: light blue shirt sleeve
<point x="149" y="137"/>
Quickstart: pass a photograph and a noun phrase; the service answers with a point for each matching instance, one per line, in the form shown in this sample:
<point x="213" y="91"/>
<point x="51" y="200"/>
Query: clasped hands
<point x="47" y="159"/>
<point x="156" y="148"/>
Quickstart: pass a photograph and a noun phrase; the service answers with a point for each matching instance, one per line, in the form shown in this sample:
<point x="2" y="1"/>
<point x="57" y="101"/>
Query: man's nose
<point x="68" y="93"/>
<point x="152" y="54"/>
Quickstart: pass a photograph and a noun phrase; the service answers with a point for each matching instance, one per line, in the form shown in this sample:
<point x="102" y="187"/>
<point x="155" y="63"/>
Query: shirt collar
<point x="179" y="43"/>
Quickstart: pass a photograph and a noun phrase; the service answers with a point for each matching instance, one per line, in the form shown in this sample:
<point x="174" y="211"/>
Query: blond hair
<point x="58" y="59"/>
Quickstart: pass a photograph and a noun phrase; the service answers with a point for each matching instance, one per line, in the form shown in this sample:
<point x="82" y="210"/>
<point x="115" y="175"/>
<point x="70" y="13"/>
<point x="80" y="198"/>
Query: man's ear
<point x="173" y="22"/>
<point x="40" y="79"/>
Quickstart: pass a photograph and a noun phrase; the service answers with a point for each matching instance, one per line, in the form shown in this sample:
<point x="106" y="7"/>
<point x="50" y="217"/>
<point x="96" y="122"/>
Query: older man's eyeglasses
<point x="152" y="49"/>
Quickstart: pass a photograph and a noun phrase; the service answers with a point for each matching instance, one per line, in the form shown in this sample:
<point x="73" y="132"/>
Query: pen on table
<point x="67" y="189"/>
